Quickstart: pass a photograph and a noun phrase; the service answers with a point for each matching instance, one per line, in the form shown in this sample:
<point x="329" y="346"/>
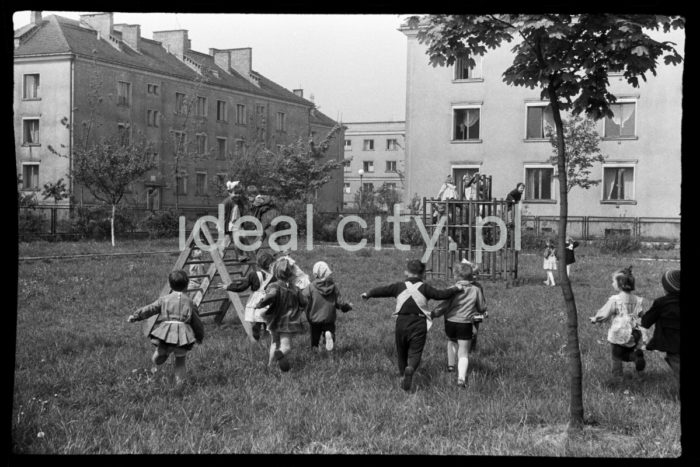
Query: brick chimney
<point x="131" y="35"/>
<point x="299" y="92"/>
<point x="35" y="17"/>
<point x="242" y="61"/>
<point x="222" y="58"/>
<point x="175" y="41"/>
<point x="100" y="22"/>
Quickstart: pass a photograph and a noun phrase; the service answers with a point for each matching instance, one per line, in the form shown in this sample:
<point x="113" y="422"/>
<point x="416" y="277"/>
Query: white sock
<point x="462" y="364"/>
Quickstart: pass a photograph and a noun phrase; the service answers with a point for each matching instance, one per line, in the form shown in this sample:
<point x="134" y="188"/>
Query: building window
<point x="368" y="166"/>
<point x="201" y="109"/>
<point x="618" y="183"/>
<point x="539" y="119"/>
<point x="346" y="188"/>
<point x="201" y="143"/>
<point x="281" y="121"/>
<point x="538" y="183"/>
<point x="240" y="114"/>
<point x="179" y="141"/>
<point x="348" y="145"/>
<point x="123" y="133"/>
<point x="390" y="166"/>
<point x="464" y="71"/>
<point x="239" y="147"/>
<point x="153" y="198"/>
<point x="31" y="86"/>
<point x="152" y="117"/>
<point x="30" y="177"/>
<point x="622" y="124"/>
<point x="30" y="131"/>
<point x="466" y="124"/>
<point x="123" y="93"/>
<point x="180" y="103"/>
<point x="368" y="145"/>
<point x="200" y="188"/>
<point x="368" y="186"/>
<point x="221" y="181"/>
<point x="221" y="111"/>
<point x="181" y="184"/>
<point x="391" y="186"/>
<point x="346" y="166"/>
<point x="392" y="145"/>
<point x="221" y="148"/>
<point x="152" y="89"/>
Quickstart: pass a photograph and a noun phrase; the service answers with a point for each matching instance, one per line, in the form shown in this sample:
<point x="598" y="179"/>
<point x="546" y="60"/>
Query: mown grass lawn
<point x="83" y="385"/>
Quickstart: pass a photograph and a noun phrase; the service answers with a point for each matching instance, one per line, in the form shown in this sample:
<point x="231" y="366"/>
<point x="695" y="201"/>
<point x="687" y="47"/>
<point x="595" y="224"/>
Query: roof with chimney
<point x="58" y="35"/>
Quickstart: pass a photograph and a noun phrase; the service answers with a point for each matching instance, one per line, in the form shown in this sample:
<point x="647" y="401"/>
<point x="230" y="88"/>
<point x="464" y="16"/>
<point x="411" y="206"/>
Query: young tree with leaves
<point x="568" y="58"/>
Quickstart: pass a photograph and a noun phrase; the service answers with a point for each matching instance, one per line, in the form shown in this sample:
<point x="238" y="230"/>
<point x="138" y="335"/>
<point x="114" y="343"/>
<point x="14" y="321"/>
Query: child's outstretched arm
<point x="391" y="290"/>
<point x="604" y="313"/>
<point x="432" y="293"/>
<point x="145" y="312"/>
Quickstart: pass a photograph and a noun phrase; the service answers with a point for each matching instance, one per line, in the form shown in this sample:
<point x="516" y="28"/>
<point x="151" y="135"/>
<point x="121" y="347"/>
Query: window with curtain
<point x="201" y="107"/>
<point x="31" y="131"/>
<point x="538" y="183"/>
<point x="464" y="71"/>
<point x="368" y="145"/>
<point x="618" y="183"/>
<point x="240" y="114"/>
<point x="123" y="91"/>
<point x="538" y="119"/>
<point x="31" y="86"/>
<point x="368" y="166"/>
<point x="30" y="177"/>
<point x="348" y="145"/>
<point x="466" y="124"/>
<point x="390" y="166"/>
<point x="622" y="122"/>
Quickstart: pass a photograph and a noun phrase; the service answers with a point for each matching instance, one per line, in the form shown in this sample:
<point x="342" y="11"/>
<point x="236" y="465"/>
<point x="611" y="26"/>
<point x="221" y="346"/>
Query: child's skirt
<point x="176" y="333"/>
<point x="550" y="263"/>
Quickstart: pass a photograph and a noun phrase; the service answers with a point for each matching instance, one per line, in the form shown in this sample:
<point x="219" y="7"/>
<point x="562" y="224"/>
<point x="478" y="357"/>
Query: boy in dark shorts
<point x="460" y="312"/>
<point x="412" y="315"/>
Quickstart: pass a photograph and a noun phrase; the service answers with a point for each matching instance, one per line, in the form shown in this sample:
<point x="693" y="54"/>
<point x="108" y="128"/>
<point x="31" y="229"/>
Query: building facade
<point x="460" y="120"/>
<point x="375" y="151"/>
<point x="198" y="111"/>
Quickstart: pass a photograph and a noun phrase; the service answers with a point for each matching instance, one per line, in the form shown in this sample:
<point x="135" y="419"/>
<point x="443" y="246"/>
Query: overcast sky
<point x="354" y="65"/>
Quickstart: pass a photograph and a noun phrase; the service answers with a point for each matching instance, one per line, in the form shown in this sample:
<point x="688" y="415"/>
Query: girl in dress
<point x="550" y="263"/>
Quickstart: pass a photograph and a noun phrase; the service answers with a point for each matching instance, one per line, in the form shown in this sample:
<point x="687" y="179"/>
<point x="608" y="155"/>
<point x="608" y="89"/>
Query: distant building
<point x="376" y="148"/>
<point x="460" y="120"/>
<point x="68" y="73"/>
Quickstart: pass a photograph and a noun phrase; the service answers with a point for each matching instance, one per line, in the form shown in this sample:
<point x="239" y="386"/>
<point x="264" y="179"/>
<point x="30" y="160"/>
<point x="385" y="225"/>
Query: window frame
<point x="37" y="97"/>
<point x="553" y="183"/>
<point x="204" y="107"/>
<point x="219" y="156"/>
<point x="181" y="107"/>
<point x="366" y="167"/>
<point x="478" y="65"/>
<point x="184" y="184"/>
<point x="153" y="89"/>
<point x="364" y="144"/>
<point x="24" y="178"/>
<point x="204" y="191"/>
<point x="528" y="105"/>
<point x="127" y="127"/>
<point x="281" y="122"/>
<point x="622" y="100"/>
<point x="386" y="169"/>
<point x="120" y="102"/>
<point x="347" y="188"/>
<point x="24" y="131"/>
<point x="156" y="118"/>
<point x="618" y="165"/>
<point x="179" y="135"/>
<point x="201" y="136"/>
<point x="221" y="105"/>
<point x="392" y="147"/>
<point x="346" y="146"/>
<point x="241" y="114"/>
<point x="453" y="129"/>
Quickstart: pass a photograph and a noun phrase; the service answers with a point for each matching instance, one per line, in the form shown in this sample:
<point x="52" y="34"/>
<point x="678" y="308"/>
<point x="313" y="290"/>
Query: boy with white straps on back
<point x="412" y="315"/>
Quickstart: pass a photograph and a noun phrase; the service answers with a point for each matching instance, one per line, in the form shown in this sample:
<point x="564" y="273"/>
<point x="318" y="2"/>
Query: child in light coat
<point x="623" y="311"/>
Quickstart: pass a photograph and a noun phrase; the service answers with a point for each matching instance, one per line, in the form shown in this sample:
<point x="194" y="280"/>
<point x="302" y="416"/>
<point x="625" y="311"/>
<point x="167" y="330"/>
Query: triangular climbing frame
<point x="219" y="265"/>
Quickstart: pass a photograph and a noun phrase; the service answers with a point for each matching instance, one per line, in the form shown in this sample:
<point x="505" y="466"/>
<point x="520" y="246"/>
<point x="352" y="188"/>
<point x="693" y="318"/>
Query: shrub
<point x="30" y="225"/>
<point x="94" y="222"/>
<point x="530" y="240"/>
<point x="617" y="244"/>
<point x="161" y="224"/>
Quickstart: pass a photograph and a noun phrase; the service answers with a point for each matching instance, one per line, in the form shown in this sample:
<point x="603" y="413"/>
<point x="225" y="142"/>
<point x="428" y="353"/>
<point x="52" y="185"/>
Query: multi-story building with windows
<point x="460" y="120"/>
<point x="376" y="154"/>
<point x="207" y="107"/>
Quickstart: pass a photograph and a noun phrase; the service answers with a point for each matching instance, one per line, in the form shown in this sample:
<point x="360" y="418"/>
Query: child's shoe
<point x="282" y="360"/>
<point x="450" y="368"/>
<point x="256" y="331"/>
<point x="329" y="341"/>
<point x="462" y="384"/>
<point x="407" y="378"/>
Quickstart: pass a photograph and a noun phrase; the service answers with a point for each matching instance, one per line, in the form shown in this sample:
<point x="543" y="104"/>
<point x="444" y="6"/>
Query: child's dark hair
<point x="282" y="270"/>
<point x="464" y="271"/>
<point x="178" y="280"/>
<point x="264" y="260"/>
<point x="624" y="279"/>
<point x="416" y="267"/>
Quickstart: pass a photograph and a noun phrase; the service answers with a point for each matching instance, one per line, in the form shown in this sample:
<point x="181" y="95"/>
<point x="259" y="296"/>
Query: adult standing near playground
<point x="512" y="199"/>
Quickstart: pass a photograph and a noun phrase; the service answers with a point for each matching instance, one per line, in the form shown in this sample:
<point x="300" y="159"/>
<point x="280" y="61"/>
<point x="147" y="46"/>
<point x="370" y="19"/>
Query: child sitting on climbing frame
<point x="196" y="269"/>
<point x="177" y="326"/>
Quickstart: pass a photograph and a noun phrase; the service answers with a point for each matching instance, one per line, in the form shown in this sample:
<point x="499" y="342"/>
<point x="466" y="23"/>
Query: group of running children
<point x="283" y="293"/>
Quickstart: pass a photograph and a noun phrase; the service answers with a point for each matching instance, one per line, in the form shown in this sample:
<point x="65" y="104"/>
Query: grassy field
<point x="83" y="382"/>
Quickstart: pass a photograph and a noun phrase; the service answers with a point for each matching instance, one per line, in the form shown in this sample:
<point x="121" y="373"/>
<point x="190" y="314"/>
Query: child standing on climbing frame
<point x="412" y="315"/>
<point x="550" y="263"/>
<point x="285" y="304"/>
<point x="323" y="297"/>
<point x="177" y="326"/>
<point x="460" y="312"/>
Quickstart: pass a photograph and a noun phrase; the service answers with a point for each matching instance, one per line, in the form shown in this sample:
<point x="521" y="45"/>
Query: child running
<point x="285" y="303"/>
<point x="460" y="312"/>
<point x="623" y="310"/>
<point x="177" y="326"/>
<point x="412" y="315"/>
<point x="665" y="316"/>
<point x="323" y="297"/>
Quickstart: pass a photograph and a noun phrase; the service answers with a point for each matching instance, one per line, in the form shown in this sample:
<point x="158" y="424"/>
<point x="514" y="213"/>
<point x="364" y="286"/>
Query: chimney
<point x="299" y="92"/>
<point x="35" y="17"/>
<point x="242" y="61"/>
<point x="100" y="22"/>
<point x="131" y="35"/>
<point x="222" y="58"/>
<point x="175" y="42"/>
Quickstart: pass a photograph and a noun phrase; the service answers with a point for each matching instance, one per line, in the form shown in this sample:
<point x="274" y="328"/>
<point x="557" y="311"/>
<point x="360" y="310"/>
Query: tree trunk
<point x="114" y="209"/>
<point x="572" y="345"/>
